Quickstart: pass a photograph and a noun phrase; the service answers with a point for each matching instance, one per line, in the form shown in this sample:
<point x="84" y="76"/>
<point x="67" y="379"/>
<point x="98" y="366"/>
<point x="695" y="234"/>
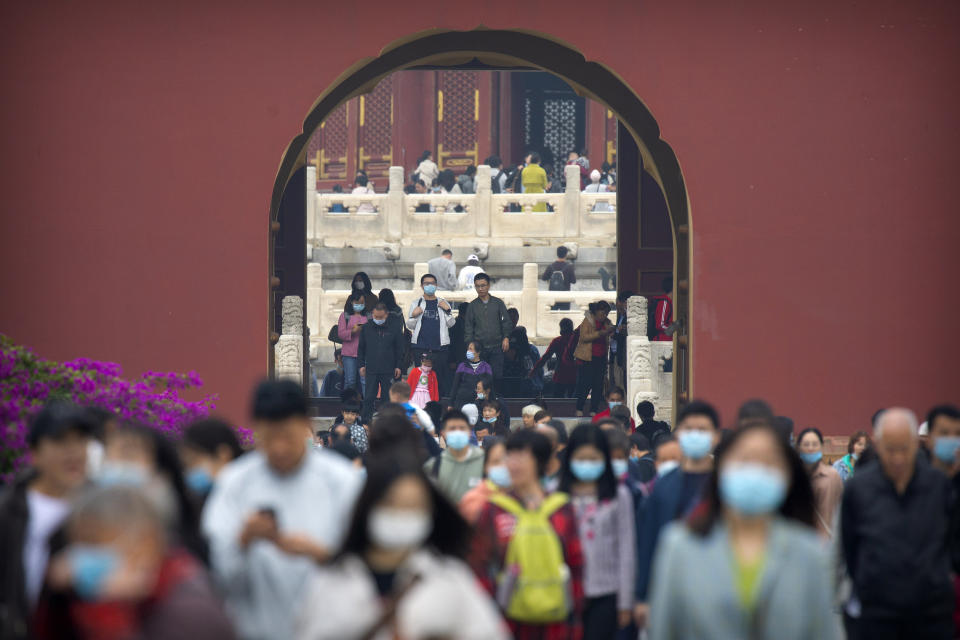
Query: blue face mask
<point x="358" y="307"/>
<point x="199" y="480"/>
<point x="613" y="403"/>
<point x="696" y="445"/>
<point x="429" y="289"/>
<point x="379" y="322"/>
<point x="481" y="396"/>
<point x="635" y="458"/>
<point x="587" y="470"/>
<point x="457" y="440"/>
<point x="470" y="355"/>
<point x="620" y="467"/>
<point x="499" y="475"/>
<point x="752" y="489"/>
<point x="90" y="567"/>
<point x="811" y="457"/>
<point x="945" y="448"/>
<point x="122" y="474"/>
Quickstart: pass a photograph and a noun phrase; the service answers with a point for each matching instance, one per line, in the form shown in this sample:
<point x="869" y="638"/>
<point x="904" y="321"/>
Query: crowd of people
<point x="454" y="527"/>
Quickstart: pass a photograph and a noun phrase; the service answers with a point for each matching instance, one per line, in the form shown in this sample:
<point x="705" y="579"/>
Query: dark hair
<point x="337" y="188"/>
<point x="536" y="443"/>
<point x="948" y="411"/>
<point x="622" y="414"/>
<point x="355" y="296"/>
<point x="337" y="353"/>
<point x="56" y="417"/>
<point x="618" y="440"/>
<point x="450" y="533"/>
<point x="661" y="438"/>
<point x="617" y="424"/>
<point x="494" y="161"/>
<point x="453" y="414"/>
<point x="535" y="158"/>
<point x="209" y="434"/>
<point x="594" y="307"/>
<point x="667" y="284"/>
<point x="646" y="410"/>
<point x="486" y="380"/>
<point x="623" y="296"/>
<point x="434" y="409"/>
<point x="368" y="287"/>
<point x="583" y="435"/>
<point x="812" y="430"/>
<point x="387" y="299"/>
<point x="540" y="415"/>
<point x="699" y="408"/>
<point x="424" y="277"/>
<point x="423" y="156"/>
<point x="488" y="444"/>
<point x="275" y="400"/>
<point x="514" y="314"/>
<point x="350" y="395"/>
<point x="392" y="434"/>
<point x="856" y="436"/>
<point x="500" y="427"/>
<point x="166" y="459"/>
<point x="784" y="426"/>
<point x="447" y="179"/>
<point x="561" y="429"/>
<point x="446" y="252"/>
<point x="640" y="441"/>
<point x="605" y="166"/>
<point x="426" y="356"/>
<point x="470" y="170"/>
<point x="562" y="251"/>
<point x="346" y="449"/>
<point x="566" y="326"/>
<point x="352" y="407"/>
<point x="410" y="189"/>
<point x="754" y="410"/>
<point x="798" y="505"/>
<point x="380" y="306"/>
<point x="481" y="276"/>
<point x="361" y="180"/>
<point x="618" y="390"/>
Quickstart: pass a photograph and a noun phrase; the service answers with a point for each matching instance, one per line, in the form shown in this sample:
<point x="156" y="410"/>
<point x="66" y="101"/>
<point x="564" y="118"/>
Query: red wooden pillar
<point x="485" y="105"/>
<point x="595" y="135"/>
<point x="414" y="114"/>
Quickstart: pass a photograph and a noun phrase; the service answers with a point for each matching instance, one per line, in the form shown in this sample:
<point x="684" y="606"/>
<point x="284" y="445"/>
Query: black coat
<point x="897" y="547"/>
<point x="381" y="347"/>
<point x="14" y="610"/>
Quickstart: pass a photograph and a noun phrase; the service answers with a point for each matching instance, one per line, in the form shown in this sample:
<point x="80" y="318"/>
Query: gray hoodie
<point x="455" y="477"/>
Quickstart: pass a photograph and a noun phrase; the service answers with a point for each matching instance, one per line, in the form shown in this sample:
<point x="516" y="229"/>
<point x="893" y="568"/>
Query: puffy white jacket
<point x="446" y="320"/>
<point x="342" y="603"/>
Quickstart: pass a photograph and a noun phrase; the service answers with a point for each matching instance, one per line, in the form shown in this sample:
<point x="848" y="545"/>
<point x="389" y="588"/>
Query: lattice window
<point x="457" y="131"/>
<point x="376" y="124"/>
<point x="559" y="129"/>
<point x="527" y="123"/>
<point x="328" y="145"/>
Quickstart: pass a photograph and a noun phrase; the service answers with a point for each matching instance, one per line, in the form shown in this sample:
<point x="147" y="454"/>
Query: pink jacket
<point x="351" y="341"/>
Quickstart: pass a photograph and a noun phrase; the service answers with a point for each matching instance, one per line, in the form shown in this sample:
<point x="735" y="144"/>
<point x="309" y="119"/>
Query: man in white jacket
<point x="430" y="319"/>
<point x="274" y="513"/>
<point x="469" y="272"/>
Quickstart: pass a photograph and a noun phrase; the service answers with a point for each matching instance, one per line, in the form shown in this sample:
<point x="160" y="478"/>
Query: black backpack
<point x="495" y="181"/>
<point x="558" y="281"/>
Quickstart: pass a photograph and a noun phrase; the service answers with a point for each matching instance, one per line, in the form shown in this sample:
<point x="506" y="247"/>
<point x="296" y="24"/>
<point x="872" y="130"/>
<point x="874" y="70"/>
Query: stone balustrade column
<point x="311" y="206"/>
<point x="529" y="299"/>
<point x="315" y="301"/>
<point x="483" y="203"/>
<point x="393" y="213"/>
<point x="288" y="352"/>
<point x="571" y="201"/>
<point x="419" y="270"/>
<point x="639" y="361"/>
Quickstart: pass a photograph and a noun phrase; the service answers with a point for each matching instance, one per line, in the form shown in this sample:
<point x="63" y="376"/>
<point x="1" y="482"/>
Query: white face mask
<point x="398" y="528"/>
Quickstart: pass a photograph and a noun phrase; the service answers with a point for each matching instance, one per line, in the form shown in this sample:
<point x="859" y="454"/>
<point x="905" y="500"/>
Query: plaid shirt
<point x="488" y="554"/>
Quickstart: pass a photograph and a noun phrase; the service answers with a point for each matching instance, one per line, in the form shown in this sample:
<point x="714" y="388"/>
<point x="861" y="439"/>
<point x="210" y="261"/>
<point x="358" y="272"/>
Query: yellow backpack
<point x="534" y="586"/>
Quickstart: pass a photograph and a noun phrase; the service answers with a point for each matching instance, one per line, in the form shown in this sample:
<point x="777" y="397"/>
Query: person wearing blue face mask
<point x="943" y="422"/>
<point x="749" y="563"/>
<point x="677" y="493"/>
<point x="460" y="467"/>
<point x="122" y="576"/>
<point x="604" y="514"/>
<point x="208" y="445"/>
<point x="349" y="325"/>
<point x="615" y="398"/>
<point x="826" y="482"/>
<point x="380" y="356"/>
<point x="429" y="320"/>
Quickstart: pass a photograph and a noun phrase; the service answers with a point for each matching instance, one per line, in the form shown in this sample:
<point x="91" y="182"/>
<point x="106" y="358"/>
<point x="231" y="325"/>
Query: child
<point x="358" y="431"/>
<point x="423" y="381"/>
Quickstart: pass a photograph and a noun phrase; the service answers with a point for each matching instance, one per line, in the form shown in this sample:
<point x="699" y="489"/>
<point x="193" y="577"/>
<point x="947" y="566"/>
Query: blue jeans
<point x="351" y="373"/>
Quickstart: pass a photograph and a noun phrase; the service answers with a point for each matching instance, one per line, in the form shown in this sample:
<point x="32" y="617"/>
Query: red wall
<point x="818" y="142"/>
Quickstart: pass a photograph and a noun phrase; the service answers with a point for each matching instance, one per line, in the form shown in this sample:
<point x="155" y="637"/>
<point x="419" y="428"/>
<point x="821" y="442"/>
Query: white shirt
<point x="44" y="515"/>
<point x="362" y="191"/>
<point x="263" y="586"/>
<point x="467" y="274"/>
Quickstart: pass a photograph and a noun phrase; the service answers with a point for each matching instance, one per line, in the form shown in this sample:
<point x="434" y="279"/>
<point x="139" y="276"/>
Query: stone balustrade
<point x="325" y="306"/>
<point x="356" y="220"/>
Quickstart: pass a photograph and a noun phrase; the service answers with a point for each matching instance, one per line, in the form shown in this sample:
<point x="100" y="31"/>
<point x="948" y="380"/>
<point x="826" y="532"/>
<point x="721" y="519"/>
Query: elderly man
<point x="895" y="519"/>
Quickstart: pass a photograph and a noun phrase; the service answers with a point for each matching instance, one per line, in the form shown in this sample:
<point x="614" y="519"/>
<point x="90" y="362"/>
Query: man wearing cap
<point x="469" y="272"/>
<point x="35" y="507"/>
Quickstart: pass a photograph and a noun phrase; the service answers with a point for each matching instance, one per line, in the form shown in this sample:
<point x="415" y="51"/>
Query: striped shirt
<point x="607" y="536"/>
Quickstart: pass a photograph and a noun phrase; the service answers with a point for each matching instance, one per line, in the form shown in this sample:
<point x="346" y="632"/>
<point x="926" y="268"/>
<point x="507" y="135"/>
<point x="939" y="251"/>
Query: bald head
<point x="899" y="420"/>
<point x="895" y="434"/>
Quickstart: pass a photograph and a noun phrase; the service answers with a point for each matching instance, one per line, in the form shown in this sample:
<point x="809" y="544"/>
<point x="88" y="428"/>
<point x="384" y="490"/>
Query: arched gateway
<point x="641" y="155"/>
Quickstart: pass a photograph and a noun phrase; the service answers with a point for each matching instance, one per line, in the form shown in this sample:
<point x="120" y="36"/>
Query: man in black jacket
<point x="34" y="508"/>
<point x="895" y="524"/>
<point x="379" y="355"/>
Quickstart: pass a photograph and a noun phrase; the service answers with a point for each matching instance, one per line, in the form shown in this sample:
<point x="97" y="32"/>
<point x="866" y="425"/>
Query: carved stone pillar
<point x="639" y="362"/>
<point x="288" y="351"/>
<point x="482" y="204"/>
<point x="394" y="214"/>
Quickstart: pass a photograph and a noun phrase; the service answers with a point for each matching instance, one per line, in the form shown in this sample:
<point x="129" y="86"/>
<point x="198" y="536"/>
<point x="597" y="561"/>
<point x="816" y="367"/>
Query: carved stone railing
<point x="390" y="216"/>
<point x="288" y="352"/>
<point x="646" y="378"/>
<point x="325" y="306"/>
